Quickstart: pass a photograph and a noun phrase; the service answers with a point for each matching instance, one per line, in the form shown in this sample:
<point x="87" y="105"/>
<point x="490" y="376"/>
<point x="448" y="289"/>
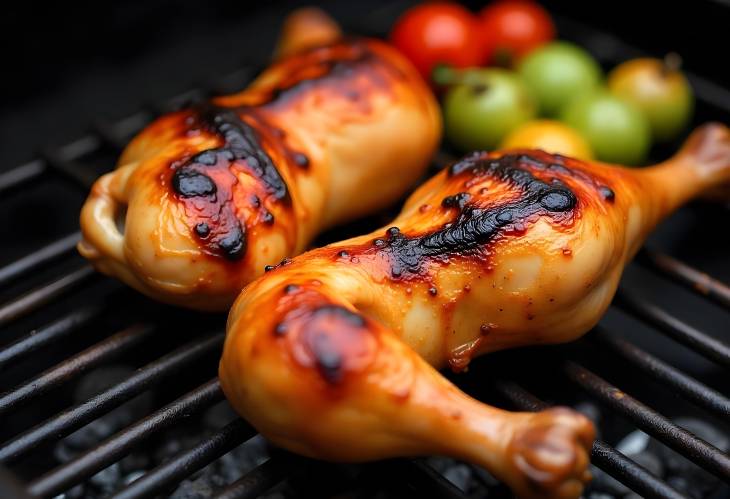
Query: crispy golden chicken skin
<point x="497" y="251"/>
<point x="204" y="198"/>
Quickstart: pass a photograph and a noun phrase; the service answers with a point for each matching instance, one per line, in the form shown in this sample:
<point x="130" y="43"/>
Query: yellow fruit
<point x="659" y="90"/>
<point x="550" y="136"/>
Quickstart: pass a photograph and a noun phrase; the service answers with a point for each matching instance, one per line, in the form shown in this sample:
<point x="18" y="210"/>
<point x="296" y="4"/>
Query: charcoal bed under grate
<point x="60" y="314"/>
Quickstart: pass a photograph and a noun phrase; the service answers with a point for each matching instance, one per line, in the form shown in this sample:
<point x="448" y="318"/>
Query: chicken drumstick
<point x="497" y="251"/>
<point x="204" y="198"/>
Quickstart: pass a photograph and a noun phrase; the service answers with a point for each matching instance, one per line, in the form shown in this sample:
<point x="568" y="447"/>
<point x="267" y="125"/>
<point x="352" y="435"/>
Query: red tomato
<point x="512" y="28"/>
<point x="436" y="33"/>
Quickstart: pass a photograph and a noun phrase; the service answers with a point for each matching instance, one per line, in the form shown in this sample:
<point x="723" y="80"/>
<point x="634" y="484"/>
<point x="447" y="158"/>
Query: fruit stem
<point x="445" y="76"/>
<point x="671" y="63"/>
<point x="503" y="58"/>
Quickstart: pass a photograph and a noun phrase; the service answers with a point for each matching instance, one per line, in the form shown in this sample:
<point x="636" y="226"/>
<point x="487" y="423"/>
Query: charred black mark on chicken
<point x="607" y="193"/>
<point x="241" y="145"/>
<point x="476" y="226"/>
<point x="206" y="180"/>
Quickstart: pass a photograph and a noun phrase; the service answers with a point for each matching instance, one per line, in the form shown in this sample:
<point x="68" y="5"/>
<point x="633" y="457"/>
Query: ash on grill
<point x="202" y="484"/>
<point x="661" y="461"/>
<point x="678" y="471"/>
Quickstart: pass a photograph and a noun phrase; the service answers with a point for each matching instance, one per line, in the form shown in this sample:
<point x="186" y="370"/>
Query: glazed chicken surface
<point x="203" y="199"/>
<point x="497" y="251"/>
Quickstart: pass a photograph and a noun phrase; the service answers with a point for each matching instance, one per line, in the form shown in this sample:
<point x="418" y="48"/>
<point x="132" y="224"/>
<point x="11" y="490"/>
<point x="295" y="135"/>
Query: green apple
<point x="557" y="73"/>
<point x="484" y="106"/>
<point x="659" y="90"/>
<point x="616" y="130"/>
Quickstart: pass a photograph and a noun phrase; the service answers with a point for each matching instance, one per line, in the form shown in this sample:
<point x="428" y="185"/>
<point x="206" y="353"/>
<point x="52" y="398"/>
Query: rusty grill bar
<point x="69" y="161"/>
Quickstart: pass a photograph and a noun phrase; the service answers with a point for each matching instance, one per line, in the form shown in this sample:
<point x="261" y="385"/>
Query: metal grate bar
<point x="40" y="296"/>
<point x="689" y="277"/>
<point x="38" y="258"/>
<point x="676" y="437"/>
<point x="80" y="147"/>
<point x="690" y="388"/>
<point x="47" y="335"/>
<point x="103" y="351"/>
<point x="132" y="124"/>
<point x="71" y="419"/>
<point x="257" y="481"/>
<point x="631" y="474"/>
<point x="21" y="174"/>
<point x="71" y="167"/>
<point x="188" y="462"/>
<point x="613" y="462"/>
<point x="119" y="445"/>
<point x="680" y="331"/>
<point x="64" y="157"/>
<point x="427" y="481"/>
<point x="112" y="134"/>
<point x="116" y="135"/>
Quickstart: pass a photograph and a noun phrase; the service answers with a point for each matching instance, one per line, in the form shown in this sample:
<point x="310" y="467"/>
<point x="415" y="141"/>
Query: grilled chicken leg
<point x="497" y="251"/>
<point x="204" y="198"/>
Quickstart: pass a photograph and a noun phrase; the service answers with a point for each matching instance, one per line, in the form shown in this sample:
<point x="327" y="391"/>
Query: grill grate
<point x="71" y="161"/>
